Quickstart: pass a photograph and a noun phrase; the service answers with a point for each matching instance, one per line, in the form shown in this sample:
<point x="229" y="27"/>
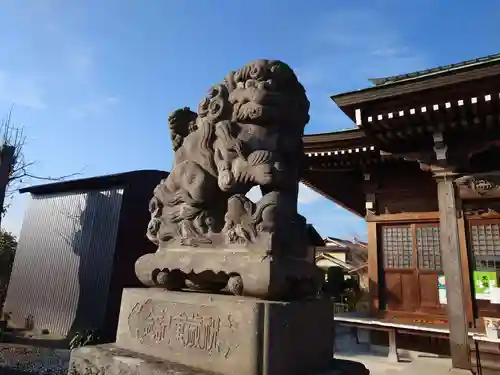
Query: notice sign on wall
<point x="483" y="281"/>
<point x="495" y="295"/>
<point x="442" y="289"/>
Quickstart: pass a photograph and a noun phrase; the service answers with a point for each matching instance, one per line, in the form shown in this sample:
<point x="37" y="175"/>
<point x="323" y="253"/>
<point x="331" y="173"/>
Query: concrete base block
<point x="222" y="334"/>
<point x="110" y="360"/>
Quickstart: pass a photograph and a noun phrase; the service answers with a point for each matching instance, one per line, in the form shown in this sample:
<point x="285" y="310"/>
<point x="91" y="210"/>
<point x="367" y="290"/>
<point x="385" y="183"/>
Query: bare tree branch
<point x="48" y="178"/>
<point x="21" y="172"/>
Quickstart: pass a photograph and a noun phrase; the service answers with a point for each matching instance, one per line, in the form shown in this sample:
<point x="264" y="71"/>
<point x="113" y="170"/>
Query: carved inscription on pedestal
<point x="155" y="323"/>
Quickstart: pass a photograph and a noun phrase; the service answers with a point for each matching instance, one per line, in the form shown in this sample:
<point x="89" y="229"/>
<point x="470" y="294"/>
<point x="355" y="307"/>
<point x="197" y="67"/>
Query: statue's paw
<point x="235" y="285"/>
<point x="174" y="217"/>
<point x="170" y="280"/>
<point x="263" y="174"/>
<point x="265" y="179"/>
<point x="153" y="226"/>
<point x="174" y="199"/>
<point x="225" y="180"/>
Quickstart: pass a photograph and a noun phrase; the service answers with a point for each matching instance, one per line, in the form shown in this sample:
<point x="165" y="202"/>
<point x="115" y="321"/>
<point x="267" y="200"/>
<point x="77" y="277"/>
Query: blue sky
<point x="93" y="81"/>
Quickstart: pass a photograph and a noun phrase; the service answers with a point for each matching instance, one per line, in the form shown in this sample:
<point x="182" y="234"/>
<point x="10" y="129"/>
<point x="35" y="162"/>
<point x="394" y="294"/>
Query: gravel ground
<point x="24" y="360"/>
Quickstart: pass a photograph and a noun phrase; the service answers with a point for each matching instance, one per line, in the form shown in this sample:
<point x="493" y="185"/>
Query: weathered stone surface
<point x="247" y="132"/>
<point x="236" y="269"/>
<point x="227" y="334"/>
<point x="110" y="360"/>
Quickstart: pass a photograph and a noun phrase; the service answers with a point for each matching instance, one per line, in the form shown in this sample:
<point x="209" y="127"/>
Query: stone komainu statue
<point x="247" y="132"/>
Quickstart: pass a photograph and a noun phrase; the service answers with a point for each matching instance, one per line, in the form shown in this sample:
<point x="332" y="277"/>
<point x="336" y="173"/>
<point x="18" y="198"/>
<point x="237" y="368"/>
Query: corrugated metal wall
<point x="64" y="259"/>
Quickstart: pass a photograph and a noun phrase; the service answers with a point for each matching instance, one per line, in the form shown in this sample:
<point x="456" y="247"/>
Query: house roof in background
<point x="357" y="250"/>
<point x="315" y="238"/>
<point x="95" y="183"/>
<point x="335" y="261"/>
<point x="334" y="241"/>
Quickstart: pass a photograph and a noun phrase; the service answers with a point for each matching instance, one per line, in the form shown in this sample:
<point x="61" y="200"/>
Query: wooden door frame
<point x="375" y="265"/>
<point x="440" y="310"/>
<point x="468" y="221"/>
<point x="414" y="265"/>
<point x="375" y="268"/>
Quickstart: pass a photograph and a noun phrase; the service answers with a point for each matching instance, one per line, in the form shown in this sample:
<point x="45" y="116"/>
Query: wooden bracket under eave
<point x="370" y="204"/>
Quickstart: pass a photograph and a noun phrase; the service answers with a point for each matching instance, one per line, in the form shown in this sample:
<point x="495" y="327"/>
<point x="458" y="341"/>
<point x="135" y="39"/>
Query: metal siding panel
<point x="64" y="260"/>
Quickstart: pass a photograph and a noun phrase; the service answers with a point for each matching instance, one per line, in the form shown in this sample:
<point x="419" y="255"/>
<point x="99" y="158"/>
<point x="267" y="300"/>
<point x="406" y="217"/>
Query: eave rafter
<point x="480" y="112"/>
<point x="338" y="152"/>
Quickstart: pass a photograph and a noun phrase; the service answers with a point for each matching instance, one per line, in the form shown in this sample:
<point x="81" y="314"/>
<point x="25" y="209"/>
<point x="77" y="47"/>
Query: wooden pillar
<point x="373" y="269"/>
<point x="465" y="267"/>
<point x="452" y="266"/>
<point x="369" y="188"/>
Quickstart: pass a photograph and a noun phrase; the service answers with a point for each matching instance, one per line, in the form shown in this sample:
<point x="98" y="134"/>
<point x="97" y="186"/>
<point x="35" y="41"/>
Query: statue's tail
<point x="182" y="122"/>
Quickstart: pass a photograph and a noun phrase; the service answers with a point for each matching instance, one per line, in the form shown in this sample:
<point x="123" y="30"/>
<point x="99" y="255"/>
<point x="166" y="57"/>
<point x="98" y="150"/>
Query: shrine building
<point x="422" y="166"/>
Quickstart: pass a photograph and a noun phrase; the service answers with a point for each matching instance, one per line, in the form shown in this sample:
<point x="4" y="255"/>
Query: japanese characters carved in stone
<point x="247" y="132"/>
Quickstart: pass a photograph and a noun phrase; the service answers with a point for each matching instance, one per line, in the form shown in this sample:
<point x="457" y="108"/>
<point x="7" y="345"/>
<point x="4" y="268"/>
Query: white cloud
<point x="94" y="107"/>
<point x="80" y="60"/>
<point x="390" y="51"/>
<point x="357" y="28"/>
<point x="311" y="74"/>
<point x="21" y="90"/>
<point x="348" y="47"/>
<point x="306" y="195"/>
<point x="53" y="50"/>
<point x="356" y="44"/>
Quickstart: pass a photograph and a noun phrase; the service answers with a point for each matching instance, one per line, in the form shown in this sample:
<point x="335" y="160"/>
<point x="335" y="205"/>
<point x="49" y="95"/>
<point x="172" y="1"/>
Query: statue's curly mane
<point x="263" y="89"/>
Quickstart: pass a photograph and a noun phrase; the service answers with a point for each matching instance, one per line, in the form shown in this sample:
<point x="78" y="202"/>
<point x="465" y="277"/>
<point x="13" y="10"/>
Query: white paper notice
<point x="442" y="296"/>
<point x="441" y="281"/>
<point x="495" y="295"/>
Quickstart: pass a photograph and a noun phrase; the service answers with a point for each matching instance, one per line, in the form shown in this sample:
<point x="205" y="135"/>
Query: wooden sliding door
<point x="484" y="249"/>
<point x="411" y="257"/>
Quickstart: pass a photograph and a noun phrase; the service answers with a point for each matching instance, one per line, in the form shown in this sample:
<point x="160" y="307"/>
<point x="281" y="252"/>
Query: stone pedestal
<point x="161" y="331"/>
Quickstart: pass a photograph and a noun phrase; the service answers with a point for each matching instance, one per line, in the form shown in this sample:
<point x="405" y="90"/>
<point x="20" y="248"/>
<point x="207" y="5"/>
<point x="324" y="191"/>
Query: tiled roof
<point x="357" y="249"/>
<point x="437" y="70"/>
<point x="332" y="259"/>
<point x="314" y="237"/>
